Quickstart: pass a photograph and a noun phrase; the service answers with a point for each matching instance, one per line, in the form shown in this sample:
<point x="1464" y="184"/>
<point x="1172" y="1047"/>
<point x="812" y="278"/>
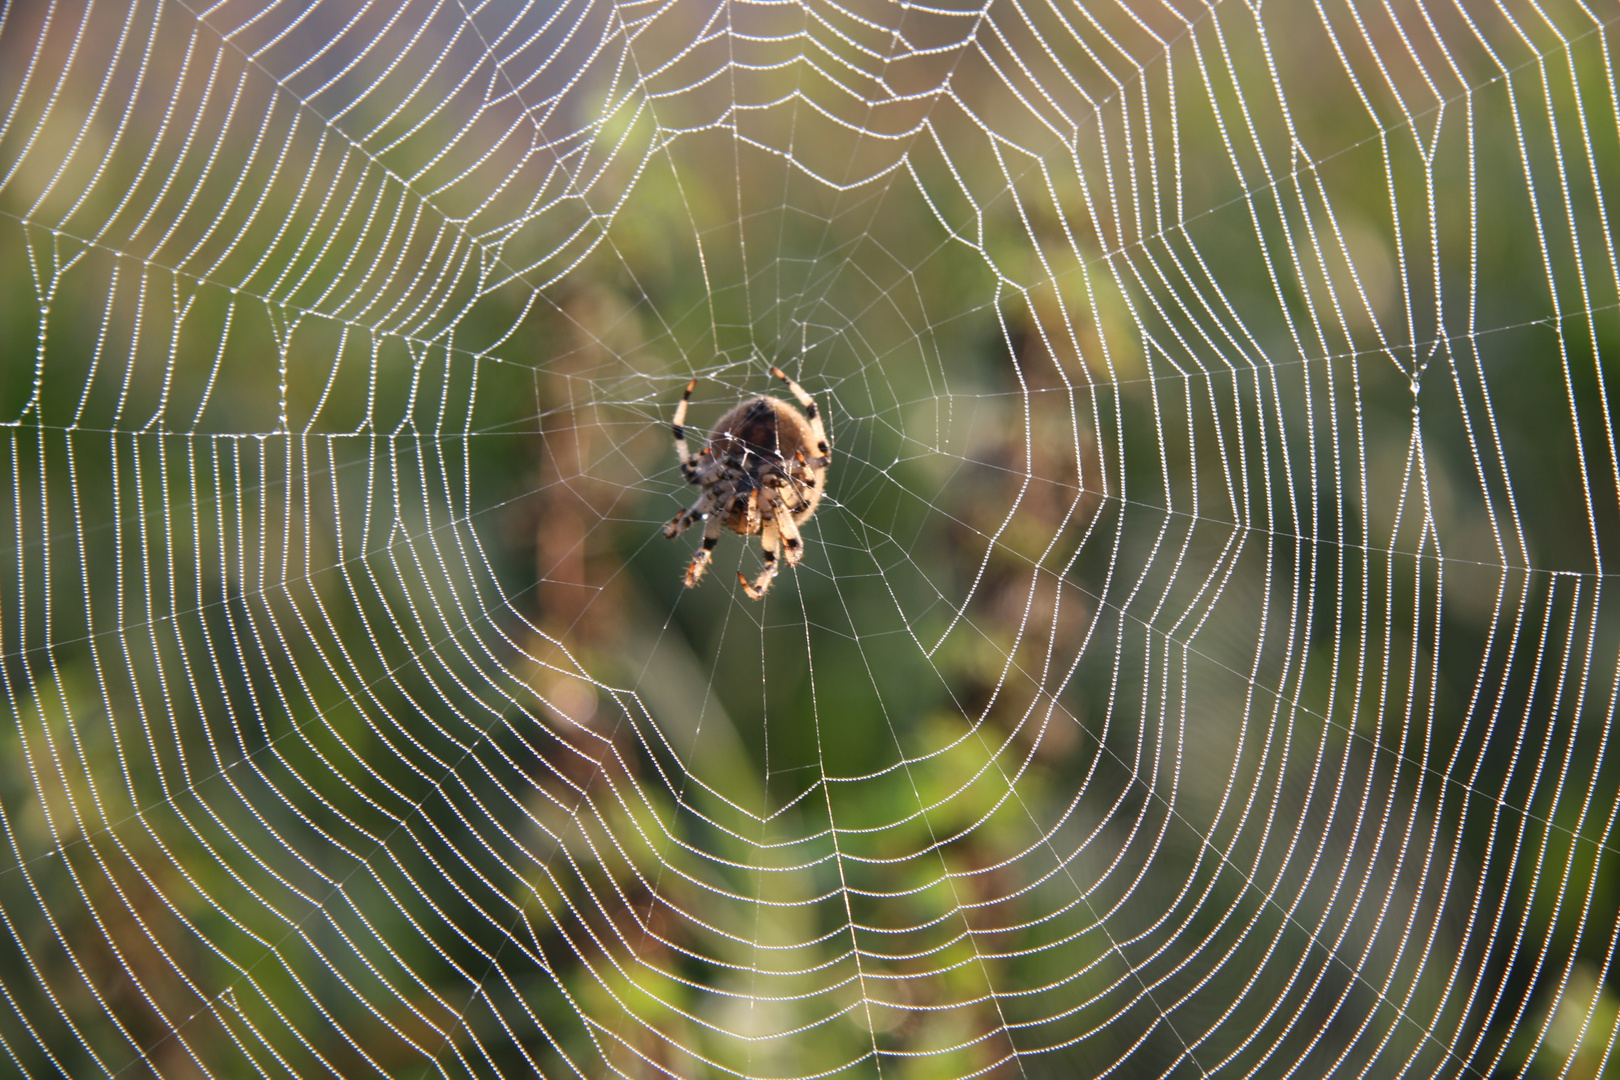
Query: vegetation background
<point x="1201" y="657"/>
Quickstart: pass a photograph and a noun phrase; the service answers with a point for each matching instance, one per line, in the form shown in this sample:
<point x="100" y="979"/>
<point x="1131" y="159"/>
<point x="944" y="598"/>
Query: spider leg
<point x="749" y="505"/>
<point x="818" y="430"/>
<point x="770" y="539"/>
<point x="688" y="459"/>
<point x="792" y="544"/>
<point x="700" y="561"/>
<point x="683" y="520"/>
<point x="800" y="479"/>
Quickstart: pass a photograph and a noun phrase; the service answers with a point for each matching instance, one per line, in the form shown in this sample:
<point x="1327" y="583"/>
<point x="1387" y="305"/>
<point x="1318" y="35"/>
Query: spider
<point x="761" y="475"/>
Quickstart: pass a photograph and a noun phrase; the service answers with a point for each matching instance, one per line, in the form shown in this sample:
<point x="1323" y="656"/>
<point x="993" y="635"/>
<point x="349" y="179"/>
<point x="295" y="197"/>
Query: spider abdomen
<point x="765" y="443"/>
<point x="751" y="428"/>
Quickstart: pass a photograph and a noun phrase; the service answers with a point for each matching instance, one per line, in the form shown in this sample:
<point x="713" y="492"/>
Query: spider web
<point x="1198" y="663"/>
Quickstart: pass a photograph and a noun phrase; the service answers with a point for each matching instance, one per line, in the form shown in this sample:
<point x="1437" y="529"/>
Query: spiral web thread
<point x="1198" y="664"/>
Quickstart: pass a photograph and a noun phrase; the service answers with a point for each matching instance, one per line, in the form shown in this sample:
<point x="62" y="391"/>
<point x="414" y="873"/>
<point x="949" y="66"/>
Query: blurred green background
<point x="1199" y="661"/>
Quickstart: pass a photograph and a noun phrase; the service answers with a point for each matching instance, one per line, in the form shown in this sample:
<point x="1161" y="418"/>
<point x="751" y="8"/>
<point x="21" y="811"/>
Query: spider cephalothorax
<point x="761" y="475"/>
